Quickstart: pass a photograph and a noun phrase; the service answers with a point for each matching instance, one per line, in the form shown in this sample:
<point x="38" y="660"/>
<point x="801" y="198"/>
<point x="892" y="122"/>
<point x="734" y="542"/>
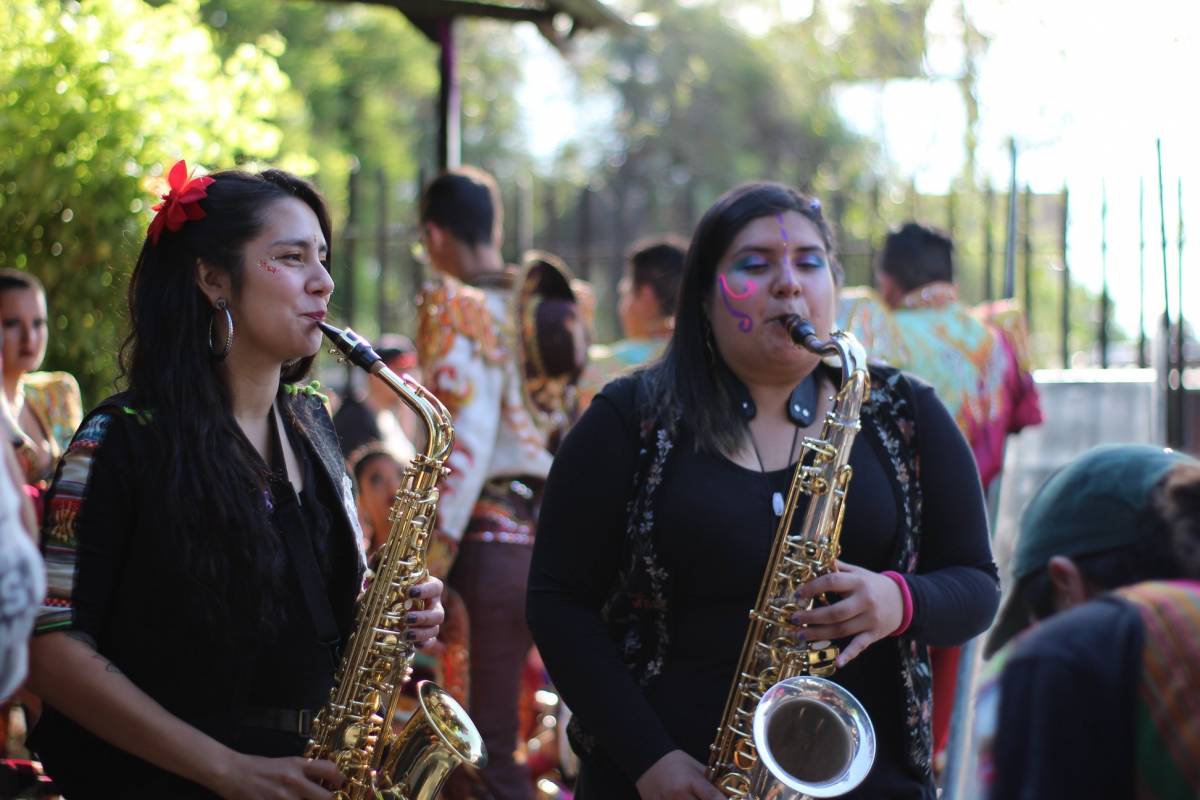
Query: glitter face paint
<point x="267" y="266"/>
<point x="744" y="323"/>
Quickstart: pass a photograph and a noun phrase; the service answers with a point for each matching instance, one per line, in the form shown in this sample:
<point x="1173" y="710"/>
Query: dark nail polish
<point x="410" y="619"/>
<point x="414" y="591"/>
<point x="410" y="635"/>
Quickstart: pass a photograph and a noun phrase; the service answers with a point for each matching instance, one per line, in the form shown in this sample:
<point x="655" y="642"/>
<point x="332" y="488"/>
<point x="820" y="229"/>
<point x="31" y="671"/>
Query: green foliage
<point x="98" y="96"/>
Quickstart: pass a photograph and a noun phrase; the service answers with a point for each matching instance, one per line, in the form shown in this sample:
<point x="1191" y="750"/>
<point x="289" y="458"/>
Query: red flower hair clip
<point x="180" y="204"/>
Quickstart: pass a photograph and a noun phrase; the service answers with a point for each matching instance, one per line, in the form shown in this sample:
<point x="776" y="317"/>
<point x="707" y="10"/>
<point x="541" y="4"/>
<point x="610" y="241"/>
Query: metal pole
<point x="1141" y="273"/>
<point x="585" y="233"/>
<point x="1027" y="242"/>
<point x="951" y="212"/>
<point x="1103" y="274"/>
<point x="350" y="237"/>
<point x="418" y="268"/>
<point x="524" y="211"/>
<point x="381" y="251"/>
<point x="989" y="250"/>
<point x="1172" y="424"/>
<point x="1010" y="233"/>
<point x="449" y="98"/>
<point x="1066" y="282"/>
<point x="550" y="229"/>
<point x="1181" y="360"/>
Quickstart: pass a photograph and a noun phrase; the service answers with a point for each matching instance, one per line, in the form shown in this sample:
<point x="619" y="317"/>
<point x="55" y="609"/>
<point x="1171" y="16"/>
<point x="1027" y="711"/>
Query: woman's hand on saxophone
<point x="869" y="607"/>
<point x="256" y="778"/>
<point x="676" y="776"/>
<point x="425" y="619"/>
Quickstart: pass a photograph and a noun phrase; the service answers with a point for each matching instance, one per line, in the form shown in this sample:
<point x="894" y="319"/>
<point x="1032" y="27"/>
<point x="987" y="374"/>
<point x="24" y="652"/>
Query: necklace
<point x="776" y="497"/>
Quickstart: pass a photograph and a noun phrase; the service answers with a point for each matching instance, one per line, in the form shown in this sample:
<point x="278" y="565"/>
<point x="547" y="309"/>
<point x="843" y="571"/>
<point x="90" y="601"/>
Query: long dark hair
<point x="215" y="508"/>
<point x="686" y="384"/>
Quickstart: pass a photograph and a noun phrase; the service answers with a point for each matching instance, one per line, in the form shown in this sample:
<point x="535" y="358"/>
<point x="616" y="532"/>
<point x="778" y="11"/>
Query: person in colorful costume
<point x="976" y="359"/>
<point x="201" y="541"/>
<point x="503" y="351"/>
<point x="46" y="405"/>
<point x="646" y="307"/>
<point x="1102" y="697"/>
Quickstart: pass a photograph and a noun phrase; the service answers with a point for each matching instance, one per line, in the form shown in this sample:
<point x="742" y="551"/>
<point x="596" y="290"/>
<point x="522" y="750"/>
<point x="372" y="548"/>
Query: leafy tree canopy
<point x="99" y="96"/>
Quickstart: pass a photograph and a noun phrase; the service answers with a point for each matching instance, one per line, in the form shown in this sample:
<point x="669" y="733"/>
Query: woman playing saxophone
<point x="202" y="542"/>
<point x="661" y="510"/>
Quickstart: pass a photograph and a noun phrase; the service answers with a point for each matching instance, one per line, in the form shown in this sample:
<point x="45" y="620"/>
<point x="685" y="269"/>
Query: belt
<point x="287" y="720"/>
<point x="503" y="537"/>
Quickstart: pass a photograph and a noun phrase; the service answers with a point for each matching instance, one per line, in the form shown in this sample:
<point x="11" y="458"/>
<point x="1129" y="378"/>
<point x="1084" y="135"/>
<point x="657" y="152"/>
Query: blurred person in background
<point x="503" y="349"/>
<point x="975" y="359"/>
<point x="375" y="413"/>
<point x="377" y="476"/>
<point x="646" y="308"/>
<point x="46" y="405"/>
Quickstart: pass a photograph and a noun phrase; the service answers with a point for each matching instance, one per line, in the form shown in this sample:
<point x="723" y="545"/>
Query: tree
<point x="99" y="96"/>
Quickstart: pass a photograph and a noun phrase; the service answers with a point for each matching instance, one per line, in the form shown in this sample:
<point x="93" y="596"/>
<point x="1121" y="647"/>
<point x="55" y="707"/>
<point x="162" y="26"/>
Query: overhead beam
<point x="423" y="9"/>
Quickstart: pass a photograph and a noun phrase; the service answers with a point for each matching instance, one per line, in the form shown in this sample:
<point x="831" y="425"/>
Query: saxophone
<point x="787" y="731"/>
<point x="354" y="729"/>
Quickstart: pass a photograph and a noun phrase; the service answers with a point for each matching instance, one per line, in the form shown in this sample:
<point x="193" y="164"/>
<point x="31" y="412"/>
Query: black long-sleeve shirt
<point x="714" y="527"/>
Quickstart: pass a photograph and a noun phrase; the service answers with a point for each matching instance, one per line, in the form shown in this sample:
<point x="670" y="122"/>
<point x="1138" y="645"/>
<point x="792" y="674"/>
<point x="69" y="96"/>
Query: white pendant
<point x="777" y="503"/>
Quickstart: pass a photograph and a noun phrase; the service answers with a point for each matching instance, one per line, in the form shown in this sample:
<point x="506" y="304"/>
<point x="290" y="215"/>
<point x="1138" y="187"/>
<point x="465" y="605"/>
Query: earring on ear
<point x="222" y="306"/>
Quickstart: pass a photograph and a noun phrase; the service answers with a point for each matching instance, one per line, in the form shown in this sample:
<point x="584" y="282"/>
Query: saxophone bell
<point x="814" y="737"/>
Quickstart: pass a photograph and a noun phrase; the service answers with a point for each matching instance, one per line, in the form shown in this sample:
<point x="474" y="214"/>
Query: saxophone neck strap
<point x="801" y="405"/>
<point x="293" y="529"/>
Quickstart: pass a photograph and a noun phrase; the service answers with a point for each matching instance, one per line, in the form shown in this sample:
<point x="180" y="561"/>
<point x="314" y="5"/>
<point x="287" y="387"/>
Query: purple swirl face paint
<point x="728" y="295"/>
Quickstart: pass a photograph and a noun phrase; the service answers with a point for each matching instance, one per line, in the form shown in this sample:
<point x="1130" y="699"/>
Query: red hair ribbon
<point x="180" y="204"/>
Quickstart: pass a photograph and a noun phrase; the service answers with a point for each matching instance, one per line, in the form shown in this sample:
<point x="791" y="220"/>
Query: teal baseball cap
<point x="1099" y="501"/>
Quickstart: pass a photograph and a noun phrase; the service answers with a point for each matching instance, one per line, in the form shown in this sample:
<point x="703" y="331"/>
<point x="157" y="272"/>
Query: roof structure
<point x="557" y="20"/>
<point x="573" y="15"/>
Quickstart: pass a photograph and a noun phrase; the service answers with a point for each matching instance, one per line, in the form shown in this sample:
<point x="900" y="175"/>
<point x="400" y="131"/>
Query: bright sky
<point x="1084" y="86"/>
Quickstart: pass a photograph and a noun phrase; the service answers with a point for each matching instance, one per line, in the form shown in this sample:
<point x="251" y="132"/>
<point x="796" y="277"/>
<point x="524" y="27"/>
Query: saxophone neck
<point x="358" y="351"/>
<point x="841" y="345"/>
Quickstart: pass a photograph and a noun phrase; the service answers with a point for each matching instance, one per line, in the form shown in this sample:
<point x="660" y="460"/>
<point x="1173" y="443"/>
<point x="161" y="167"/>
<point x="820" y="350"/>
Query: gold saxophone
<point x="787" y="731"/>
<point x="354" y="729"/>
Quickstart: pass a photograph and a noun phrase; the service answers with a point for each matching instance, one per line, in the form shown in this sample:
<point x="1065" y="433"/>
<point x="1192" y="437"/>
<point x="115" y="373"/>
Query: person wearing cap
<point x="376" y="414"/>
<point x="503" y="349"/>
<point x="1102" y="697"/>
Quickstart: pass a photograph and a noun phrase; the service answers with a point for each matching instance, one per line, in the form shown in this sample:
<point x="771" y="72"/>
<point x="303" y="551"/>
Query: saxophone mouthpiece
<point x="357" y="350"/>
<point x="802" y="332"/>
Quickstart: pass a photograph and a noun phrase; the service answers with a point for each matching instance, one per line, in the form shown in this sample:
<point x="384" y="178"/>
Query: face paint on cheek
<point x="744" y="323"/>
<point x="267" y="266"/>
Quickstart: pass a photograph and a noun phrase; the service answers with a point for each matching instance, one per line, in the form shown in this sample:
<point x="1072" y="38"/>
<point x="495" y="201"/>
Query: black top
<point x="1067" y="706"/>
<point x="715" y="526"/>
<point x="131" y="597"/>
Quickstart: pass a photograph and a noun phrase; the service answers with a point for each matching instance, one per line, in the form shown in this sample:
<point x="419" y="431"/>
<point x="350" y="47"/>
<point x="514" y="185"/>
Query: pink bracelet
<point x="906" y="617"/>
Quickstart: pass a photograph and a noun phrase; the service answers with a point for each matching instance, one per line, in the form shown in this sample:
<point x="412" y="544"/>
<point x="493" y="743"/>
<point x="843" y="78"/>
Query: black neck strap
<point x="801" y="406"/>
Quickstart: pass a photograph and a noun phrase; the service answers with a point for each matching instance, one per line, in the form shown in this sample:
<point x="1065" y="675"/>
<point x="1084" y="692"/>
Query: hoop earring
<point x="221" y="306"/>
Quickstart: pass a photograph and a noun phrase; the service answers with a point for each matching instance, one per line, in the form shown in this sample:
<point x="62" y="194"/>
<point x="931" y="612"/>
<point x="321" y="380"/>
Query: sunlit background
<point x="888" y="110"/>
